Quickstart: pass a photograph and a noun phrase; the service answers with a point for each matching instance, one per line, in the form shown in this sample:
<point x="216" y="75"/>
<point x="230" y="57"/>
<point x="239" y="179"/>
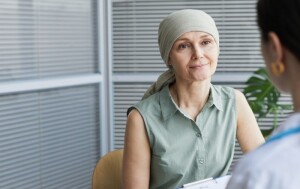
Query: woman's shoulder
<point x="224" y="91"/>
<point x="147" y="105"/>
<point x="149" y="101"/>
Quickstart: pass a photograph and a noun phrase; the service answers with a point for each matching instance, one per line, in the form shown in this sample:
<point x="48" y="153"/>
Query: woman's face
<point x="194" y="56"/>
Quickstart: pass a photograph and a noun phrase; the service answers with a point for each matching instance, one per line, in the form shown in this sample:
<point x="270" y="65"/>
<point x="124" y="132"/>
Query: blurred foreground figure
<point x="276" y="164"/>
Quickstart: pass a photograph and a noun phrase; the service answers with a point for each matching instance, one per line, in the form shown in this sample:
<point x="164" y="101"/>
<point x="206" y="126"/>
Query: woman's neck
<point x="292" y="79"/>
<point x="190" y="97"/>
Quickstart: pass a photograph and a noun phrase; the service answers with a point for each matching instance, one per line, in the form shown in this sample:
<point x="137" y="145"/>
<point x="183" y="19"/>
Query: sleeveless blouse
<point x="183" y="150"/>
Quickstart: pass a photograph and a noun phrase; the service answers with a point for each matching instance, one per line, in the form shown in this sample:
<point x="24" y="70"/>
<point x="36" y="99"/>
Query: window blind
<point x="49" y="139"/>
<point x="46" y="38"/>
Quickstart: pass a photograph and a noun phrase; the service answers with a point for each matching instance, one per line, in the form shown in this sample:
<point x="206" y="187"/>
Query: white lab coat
<point x="274" y="165"/>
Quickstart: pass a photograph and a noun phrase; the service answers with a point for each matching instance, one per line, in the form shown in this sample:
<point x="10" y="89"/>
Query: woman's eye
<point x="183" y="46"/>
<point x="207" y="42"/>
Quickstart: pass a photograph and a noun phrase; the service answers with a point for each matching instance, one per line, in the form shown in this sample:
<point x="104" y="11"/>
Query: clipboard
<point x="210" y="183"/>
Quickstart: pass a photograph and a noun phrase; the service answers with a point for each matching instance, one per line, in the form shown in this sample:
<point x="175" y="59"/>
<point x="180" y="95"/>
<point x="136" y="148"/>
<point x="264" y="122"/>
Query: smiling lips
<point x="198" y="65"/>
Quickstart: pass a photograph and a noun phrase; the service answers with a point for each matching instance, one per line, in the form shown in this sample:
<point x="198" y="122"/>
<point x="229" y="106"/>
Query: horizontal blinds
<point x="135" y="25"/>
<point x="49" y="139"/>
<point x="129" y="93"/>
<point x="125" y="95"/>
<point x="46" y="38"/>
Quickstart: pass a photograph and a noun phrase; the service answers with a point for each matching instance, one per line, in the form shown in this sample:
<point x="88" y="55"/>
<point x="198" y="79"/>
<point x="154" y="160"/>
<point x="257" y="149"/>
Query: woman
<point x="185" y="128"/>
<point x="276" y="164"/>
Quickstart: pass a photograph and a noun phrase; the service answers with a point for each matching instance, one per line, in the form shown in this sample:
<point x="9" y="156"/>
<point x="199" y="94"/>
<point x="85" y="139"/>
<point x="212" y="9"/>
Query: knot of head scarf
<point x="170" y="29"/>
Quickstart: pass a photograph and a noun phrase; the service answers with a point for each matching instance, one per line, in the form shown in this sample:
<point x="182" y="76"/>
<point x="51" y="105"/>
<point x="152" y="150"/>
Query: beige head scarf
<point x="172" y="27"/>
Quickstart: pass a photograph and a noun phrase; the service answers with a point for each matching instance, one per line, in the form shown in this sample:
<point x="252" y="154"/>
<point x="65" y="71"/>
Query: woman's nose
<point x="198" y="53"/>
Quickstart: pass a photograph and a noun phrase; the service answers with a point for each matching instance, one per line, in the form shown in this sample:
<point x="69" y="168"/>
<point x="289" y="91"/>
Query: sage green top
<point x="184" y="150"/>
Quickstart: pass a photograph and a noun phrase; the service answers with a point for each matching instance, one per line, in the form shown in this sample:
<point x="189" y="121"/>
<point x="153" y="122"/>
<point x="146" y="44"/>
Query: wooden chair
<point x="108" y="171"/>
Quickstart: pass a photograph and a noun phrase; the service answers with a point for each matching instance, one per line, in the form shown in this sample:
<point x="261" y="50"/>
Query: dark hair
<point x="283" y="18"/>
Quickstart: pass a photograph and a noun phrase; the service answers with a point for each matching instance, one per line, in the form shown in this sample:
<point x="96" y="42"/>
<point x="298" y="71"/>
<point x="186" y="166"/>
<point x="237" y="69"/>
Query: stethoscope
<point x="284" y="134"/>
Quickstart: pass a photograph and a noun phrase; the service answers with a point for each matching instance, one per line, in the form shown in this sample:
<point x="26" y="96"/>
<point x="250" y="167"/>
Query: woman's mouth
<point x="198" y="65"/>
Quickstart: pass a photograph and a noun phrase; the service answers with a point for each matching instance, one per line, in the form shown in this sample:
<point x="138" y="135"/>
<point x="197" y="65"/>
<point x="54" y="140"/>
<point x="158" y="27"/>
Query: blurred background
<point x="69" y="69"/>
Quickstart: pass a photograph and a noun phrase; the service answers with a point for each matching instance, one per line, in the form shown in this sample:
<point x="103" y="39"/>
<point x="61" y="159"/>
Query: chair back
<point x="108" y="171"/>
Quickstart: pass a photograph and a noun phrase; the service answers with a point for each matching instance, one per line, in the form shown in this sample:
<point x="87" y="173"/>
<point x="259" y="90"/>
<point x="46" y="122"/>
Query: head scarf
<point x="170" y="29"/>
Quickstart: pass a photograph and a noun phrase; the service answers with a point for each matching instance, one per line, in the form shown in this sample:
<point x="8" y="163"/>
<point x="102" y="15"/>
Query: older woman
<point x="184" y="129"/>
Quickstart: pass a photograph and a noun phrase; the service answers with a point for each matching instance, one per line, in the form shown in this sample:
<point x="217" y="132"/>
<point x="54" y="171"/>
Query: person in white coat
<point x="276" y="164"/>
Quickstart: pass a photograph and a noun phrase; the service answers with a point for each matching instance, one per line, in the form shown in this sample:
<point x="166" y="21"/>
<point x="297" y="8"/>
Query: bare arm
<point x="136" y="160"/>
<point x="248" y="132"/>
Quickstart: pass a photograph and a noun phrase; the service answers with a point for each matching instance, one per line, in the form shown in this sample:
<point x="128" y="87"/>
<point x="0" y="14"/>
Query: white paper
<point x="217" y="183"/>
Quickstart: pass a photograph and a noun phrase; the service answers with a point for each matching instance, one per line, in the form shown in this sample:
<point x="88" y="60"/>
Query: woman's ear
<point x="275" y="47"/>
